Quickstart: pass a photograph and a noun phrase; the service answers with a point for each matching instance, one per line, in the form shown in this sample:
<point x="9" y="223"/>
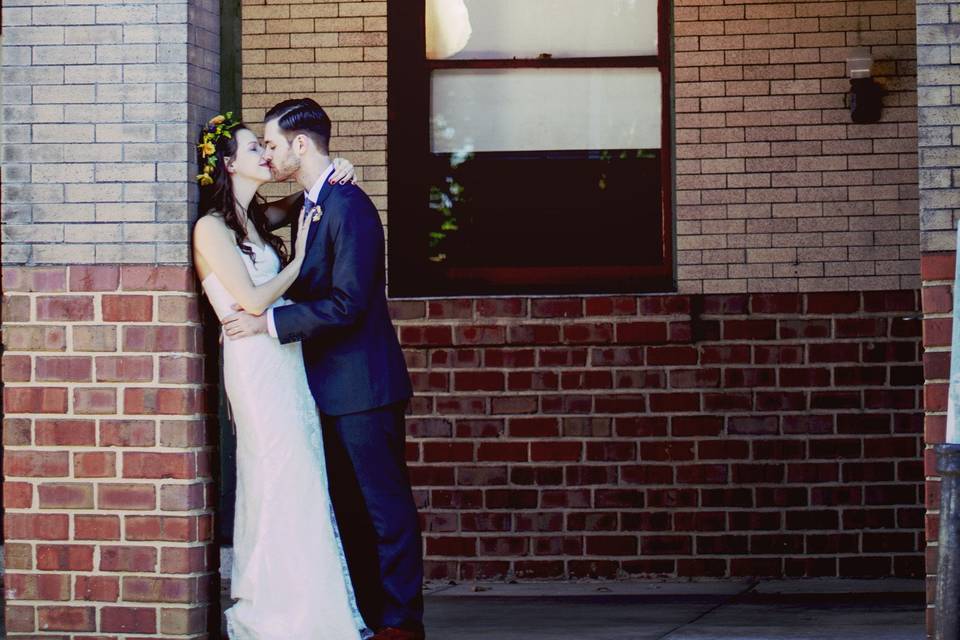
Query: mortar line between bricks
<point x="722" y="603"/>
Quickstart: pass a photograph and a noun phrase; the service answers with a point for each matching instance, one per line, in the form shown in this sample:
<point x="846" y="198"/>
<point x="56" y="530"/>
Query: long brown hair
<point x="218" y="197"/>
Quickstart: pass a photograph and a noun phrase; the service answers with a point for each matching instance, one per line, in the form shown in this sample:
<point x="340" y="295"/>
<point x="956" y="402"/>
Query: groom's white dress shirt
<point x="313" y="194"/>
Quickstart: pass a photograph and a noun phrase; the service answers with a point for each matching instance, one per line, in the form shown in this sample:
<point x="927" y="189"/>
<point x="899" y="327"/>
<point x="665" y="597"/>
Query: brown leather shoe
<point x="392" y="633"/>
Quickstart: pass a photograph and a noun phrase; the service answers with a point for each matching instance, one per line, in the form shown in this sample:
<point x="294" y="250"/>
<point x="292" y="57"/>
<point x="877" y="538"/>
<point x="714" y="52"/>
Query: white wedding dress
<point x="289" y="573"/>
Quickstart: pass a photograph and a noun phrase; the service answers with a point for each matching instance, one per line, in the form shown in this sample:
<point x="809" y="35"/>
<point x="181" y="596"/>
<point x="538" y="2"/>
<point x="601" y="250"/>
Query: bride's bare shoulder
<point x="209" y="224"/>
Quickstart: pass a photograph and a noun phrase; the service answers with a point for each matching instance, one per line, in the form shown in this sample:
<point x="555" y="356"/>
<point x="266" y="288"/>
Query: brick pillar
<point x="107" y="488"/>
<point x="107" y="472"/>
<point x="938" y="97"/>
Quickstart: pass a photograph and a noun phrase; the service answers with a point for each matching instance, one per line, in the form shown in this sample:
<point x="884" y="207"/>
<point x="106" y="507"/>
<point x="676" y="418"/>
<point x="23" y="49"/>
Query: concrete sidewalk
<point x="718" y="610"/>
<point x="808" y="609"/>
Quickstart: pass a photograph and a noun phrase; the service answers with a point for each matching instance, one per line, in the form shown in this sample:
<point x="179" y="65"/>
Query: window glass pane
<point x="544" y="109"/>
<point x="560" y="212"/>
<point x="532" y="28"/>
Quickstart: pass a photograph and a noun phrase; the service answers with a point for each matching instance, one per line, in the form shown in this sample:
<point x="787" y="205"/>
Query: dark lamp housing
<point x="866" y="100"/>
<point x="866" y="96"/>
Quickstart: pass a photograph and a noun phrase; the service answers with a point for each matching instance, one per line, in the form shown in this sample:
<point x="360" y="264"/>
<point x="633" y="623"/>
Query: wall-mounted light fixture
<point x="866" y="96"/>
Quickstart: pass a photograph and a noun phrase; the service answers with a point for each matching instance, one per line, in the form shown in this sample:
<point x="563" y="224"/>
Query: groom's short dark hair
<point x="302" y="116"/>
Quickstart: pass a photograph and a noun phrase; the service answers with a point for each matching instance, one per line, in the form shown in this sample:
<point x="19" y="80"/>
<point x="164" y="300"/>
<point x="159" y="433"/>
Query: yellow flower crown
<point x="218" y="127"/>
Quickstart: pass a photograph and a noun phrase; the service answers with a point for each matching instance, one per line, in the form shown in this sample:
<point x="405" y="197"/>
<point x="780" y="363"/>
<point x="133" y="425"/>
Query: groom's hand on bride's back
<point x="243" y="325"/>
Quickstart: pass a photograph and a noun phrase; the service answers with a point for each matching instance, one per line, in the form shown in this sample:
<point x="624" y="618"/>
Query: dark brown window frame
<point x="408" y="138"/>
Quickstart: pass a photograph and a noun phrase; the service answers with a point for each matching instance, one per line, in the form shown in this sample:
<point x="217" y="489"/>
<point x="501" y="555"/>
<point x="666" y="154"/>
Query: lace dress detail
<point x="290" y="576"/>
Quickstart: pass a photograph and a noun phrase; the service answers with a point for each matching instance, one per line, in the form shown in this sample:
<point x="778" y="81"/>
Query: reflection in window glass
<point x="504" y="29"/>
<point x="545" y="109"/>
<point x="543" y="209"/>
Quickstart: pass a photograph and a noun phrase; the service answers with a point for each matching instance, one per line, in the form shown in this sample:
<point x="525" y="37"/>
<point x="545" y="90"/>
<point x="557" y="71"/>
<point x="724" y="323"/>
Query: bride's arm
<point x="284" y="211"/>
<point x="280" y="213"/>
<point x="215" y="244"/>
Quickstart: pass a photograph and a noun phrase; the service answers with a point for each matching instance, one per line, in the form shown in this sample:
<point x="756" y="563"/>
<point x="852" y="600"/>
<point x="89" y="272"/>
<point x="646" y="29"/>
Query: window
<point x="529" y="147"/>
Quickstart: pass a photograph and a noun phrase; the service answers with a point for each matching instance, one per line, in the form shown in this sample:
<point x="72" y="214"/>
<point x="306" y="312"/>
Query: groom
<point x="355" y="369"/>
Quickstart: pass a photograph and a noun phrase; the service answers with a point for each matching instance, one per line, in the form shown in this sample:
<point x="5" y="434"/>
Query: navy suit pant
<point x="371" y="495"/>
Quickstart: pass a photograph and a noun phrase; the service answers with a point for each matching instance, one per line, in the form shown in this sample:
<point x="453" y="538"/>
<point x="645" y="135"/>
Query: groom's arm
<point x="358" y="255"/>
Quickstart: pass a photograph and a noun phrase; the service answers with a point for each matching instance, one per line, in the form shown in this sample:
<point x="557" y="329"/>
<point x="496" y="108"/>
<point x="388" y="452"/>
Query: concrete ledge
<point x="838" y="585"/>
<point x="587" y="588"/>
<point x="653" y="588"/>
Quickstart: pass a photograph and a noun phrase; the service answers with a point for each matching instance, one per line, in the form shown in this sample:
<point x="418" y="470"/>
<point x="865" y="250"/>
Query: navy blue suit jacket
<point x="350" y="348"/>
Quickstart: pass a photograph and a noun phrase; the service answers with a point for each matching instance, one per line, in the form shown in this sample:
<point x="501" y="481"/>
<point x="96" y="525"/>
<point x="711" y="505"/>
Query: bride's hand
<point x="303" y="230"/>
<point x="343" y="172"/>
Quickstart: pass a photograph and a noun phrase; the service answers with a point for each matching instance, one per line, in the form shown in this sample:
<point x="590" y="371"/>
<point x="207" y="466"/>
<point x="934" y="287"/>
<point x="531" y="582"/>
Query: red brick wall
<point x="726" y="435"/>
<point x="107" y="485"/>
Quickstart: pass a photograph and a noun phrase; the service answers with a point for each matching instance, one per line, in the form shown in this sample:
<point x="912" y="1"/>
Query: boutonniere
<point x="317" y="214"/>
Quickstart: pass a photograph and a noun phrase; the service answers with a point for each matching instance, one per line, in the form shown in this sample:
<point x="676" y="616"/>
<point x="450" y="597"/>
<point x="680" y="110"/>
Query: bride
<point x="289" y="575"/>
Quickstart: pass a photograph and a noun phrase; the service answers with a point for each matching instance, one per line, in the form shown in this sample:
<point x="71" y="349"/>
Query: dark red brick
<point x="833" y="303"/>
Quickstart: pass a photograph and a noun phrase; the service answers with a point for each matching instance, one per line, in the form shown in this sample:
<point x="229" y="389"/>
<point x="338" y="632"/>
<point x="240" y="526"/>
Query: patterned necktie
<point x="308" y="206"/>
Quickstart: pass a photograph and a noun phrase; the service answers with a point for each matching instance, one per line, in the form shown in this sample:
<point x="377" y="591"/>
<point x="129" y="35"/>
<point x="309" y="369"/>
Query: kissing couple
<point x="327" y="541"/>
